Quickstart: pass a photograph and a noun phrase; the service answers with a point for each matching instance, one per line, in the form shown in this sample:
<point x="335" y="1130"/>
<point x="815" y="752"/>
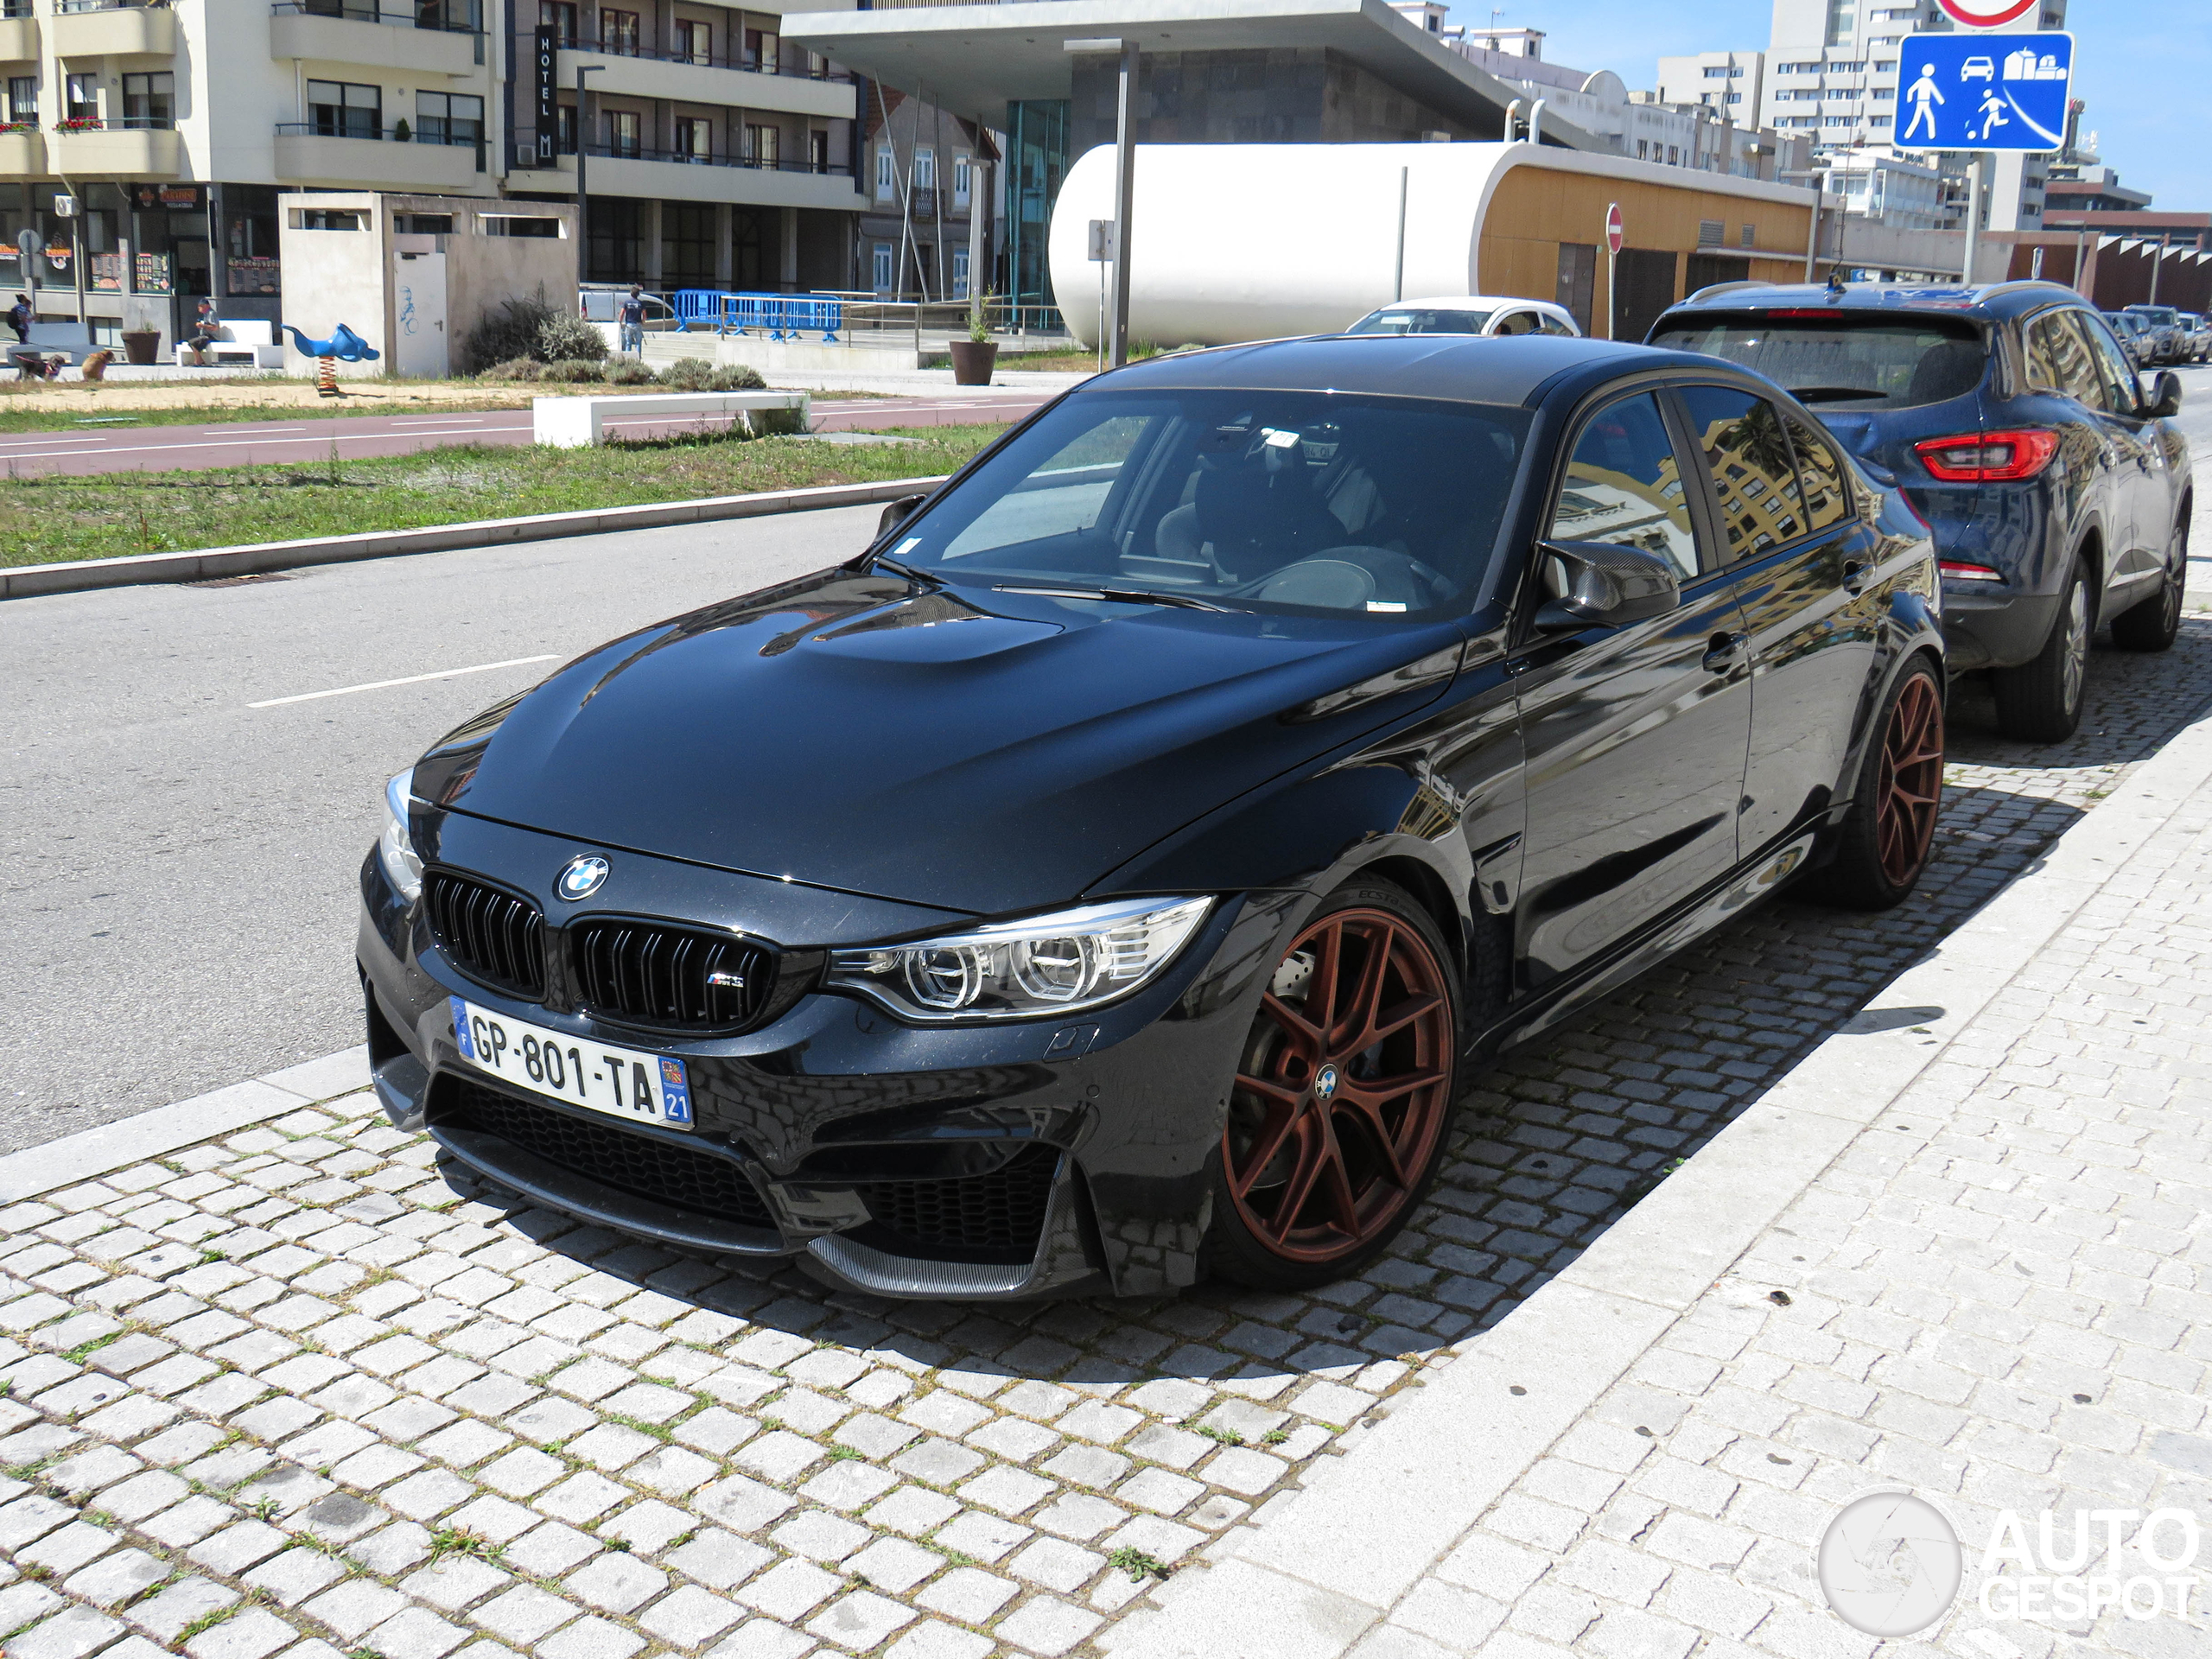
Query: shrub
<point x="736" y="377"/>
<point x="688" y="374"/>
<point x="510" y="333"/>
<point x="628" y="372"/>
<point x="564" y="337"/>
<point x="576" y="369"/>
<point x="515" y="368"/>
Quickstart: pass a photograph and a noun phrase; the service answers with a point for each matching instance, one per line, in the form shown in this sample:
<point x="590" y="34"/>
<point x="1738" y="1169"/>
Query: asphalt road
<point x="175" y="449"/>
<point x="177" y="867"/>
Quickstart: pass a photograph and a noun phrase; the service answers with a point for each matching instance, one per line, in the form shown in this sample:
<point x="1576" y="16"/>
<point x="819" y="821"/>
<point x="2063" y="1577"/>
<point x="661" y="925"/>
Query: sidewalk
<point x="1962" y="1252"/>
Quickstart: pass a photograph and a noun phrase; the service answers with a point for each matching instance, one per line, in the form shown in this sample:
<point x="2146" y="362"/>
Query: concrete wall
<point x="346" y="275"/>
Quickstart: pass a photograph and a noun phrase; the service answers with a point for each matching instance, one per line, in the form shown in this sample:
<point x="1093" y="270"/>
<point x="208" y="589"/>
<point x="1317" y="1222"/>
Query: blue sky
<point x="2144" y="67"/>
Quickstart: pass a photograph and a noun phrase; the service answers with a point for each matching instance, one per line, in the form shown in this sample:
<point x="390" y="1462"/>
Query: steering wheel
<point x="1348" y="578"/>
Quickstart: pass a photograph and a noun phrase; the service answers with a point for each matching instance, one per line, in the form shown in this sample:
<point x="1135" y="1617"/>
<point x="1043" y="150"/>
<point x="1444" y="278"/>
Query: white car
<point x="1468" y="313"/>
<point x="1977" y="68"/>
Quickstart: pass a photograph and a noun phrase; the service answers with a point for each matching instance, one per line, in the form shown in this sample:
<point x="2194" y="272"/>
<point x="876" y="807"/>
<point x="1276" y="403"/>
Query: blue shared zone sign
<point x="1984" y="92"/>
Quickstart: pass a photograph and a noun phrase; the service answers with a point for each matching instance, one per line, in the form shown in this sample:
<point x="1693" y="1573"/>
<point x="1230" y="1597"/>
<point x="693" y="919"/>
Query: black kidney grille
<point x="1001" y="1214"/>
<point x="489" y="933"/>
<point x="698" y="1181"/>
<point x="672" y="977"/>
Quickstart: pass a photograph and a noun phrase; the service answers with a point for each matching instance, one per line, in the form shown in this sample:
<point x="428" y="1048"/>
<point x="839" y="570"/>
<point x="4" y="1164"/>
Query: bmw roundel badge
<point x="581" y="876"/>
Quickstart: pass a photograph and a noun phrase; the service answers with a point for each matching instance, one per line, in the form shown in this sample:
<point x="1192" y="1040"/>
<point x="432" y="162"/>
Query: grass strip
<point x="111" y="515"/>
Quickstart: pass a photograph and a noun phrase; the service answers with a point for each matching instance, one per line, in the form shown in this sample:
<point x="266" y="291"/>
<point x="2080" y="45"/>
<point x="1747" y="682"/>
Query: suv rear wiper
<point x="1118" y="596"/>
<point x="1832" y="394"/>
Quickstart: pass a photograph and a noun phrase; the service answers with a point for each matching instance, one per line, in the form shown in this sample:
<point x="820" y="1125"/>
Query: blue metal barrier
<point x="779" y="317"/>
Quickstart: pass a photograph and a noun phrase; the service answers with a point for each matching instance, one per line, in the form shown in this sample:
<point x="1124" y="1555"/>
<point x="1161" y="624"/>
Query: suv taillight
<point x="1988" y="457"/>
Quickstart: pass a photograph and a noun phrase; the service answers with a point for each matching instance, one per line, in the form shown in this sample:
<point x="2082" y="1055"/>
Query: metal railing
<point x="386" y="135"/>
<point x="849" y="317"/>
<point x="65" y="7"/>
<point x="366" y="12"/>
<point x="750" y="62"/>
<point x="690" y="158"/>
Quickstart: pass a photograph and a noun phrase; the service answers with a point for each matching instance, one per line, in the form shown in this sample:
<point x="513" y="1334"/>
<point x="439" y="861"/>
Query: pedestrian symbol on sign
<point x="1923" y="95"/>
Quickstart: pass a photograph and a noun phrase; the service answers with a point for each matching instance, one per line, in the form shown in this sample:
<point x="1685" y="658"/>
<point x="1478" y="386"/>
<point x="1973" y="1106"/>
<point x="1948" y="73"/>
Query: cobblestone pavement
<point x="1999" y="1296"/>
<point x="300" y="1392"/>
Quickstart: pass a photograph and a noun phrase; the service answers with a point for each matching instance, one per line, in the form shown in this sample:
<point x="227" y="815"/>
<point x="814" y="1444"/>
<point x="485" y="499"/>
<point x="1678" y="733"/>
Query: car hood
<point x="980" y="751"/>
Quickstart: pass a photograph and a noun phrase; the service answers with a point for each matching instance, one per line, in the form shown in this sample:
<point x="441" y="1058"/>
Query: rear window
<point x="1412" y="319"/>
<point x="1883" y="362"/>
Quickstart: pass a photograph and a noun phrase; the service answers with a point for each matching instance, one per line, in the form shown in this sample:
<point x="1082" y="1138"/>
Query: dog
<point x="95" y="366"/>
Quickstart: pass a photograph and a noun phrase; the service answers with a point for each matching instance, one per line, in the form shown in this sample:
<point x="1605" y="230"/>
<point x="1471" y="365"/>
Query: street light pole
<point x="1125" y="178"/>
<point x="583" y="195"/>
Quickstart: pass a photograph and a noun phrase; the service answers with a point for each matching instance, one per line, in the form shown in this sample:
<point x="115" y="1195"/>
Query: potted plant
<point x="403" y="133"/>
<point x="79" y="123"/>
<point x="974" y="358"/>
<point x="141" y="347"/>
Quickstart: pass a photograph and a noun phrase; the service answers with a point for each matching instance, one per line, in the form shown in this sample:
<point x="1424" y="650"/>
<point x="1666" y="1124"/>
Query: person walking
<point x="633" y="321"/>
<point x="19" y="319"/>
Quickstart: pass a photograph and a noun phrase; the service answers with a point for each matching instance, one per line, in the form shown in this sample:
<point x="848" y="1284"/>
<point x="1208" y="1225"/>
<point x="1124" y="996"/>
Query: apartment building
<point x="717" y="154"/>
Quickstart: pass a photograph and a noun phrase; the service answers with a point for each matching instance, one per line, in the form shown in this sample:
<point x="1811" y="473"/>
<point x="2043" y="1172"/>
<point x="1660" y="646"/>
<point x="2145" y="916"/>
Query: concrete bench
<point x="249" y="341"/>
<point x="579" y="423"/>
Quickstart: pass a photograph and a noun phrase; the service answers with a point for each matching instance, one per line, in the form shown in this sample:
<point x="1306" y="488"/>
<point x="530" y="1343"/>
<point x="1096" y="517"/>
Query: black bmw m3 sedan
<point x="1110" y="876"/>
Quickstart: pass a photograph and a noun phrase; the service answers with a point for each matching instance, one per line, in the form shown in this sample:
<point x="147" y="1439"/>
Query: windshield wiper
<point x="1118" y="596"/>
<point x="885" y="561"/>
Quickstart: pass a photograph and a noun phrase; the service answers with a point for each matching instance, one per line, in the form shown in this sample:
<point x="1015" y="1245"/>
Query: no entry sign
<point x="1613" y="233"/>
<point x="1986" y="14"/>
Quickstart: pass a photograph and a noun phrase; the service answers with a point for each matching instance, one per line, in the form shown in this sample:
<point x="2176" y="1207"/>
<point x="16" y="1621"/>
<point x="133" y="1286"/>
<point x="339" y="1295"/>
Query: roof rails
<point x="2018" y="283"/>
<point x="1727" y="288"/>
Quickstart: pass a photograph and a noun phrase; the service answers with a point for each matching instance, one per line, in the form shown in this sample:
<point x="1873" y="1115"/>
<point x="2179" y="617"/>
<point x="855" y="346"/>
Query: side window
<point x="1515" y="323"/>
<point x="1748" y="454"/>
<point x="2059" y="359"/>
<point x="1623" y="485"/>
<point x="1550" y="325"/>
<point x="1828" y="488"/>
<point x="2123" y="391"/>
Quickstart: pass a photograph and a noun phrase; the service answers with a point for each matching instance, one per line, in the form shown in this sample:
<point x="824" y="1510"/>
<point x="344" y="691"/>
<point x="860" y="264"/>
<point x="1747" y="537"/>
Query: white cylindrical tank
<point x="1236" y="242"/>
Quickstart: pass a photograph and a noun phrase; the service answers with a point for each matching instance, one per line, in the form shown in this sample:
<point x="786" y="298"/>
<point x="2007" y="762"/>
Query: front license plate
<point x="621" y="1081"/>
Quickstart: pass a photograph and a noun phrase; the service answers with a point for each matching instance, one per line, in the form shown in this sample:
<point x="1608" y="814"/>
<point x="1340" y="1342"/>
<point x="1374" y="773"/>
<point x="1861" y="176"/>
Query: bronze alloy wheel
<point x="1338" y="1108"/>
<point x="1910" y="785"/>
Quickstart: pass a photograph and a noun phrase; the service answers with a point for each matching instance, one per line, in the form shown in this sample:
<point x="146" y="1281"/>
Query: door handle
<point x="1724" y="651"/>
<point x="1855" y="572"/>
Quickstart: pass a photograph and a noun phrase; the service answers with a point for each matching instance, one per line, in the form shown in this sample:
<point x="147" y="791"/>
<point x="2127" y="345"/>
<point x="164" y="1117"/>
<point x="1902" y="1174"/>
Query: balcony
<point x="676" y="177"/>
<point x="710" y="80"/>
<point x="22" y="155"/>
<point x="99" y="28"/>
<point x="18" y="40"/>
<point x="322" y="31"/>
<point x="308" y="154"/>
<point x="117" y="152"/>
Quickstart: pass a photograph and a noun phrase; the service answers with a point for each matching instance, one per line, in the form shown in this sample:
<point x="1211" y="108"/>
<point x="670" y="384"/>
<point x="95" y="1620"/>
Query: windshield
<point x="1883" y="362"/>
<point x="2164" y="314"/>
<point x="1309" y="503"/>
<point x="1404" y="320"/>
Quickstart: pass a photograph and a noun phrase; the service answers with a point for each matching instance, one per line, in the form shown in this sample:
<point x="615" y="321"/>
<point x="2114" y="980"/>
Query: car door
<point x="1635" y="737"/>
<point x="1790" y="543"/>
<point x="2140" y="477"/>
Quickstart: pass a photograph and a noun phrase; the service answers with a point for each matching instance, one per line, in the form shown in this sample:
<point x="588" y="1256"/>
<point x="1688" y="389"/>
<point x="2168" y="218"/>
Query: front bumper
<point x="1034" y="1157"/>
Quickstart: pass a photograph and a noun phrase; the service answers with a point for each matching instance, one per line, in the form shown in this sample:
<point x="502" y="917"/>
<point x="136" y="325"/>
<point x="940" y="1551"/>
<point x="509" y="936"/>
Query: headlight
<point x="1071" y="960"/>
<point x="402" y="867"/>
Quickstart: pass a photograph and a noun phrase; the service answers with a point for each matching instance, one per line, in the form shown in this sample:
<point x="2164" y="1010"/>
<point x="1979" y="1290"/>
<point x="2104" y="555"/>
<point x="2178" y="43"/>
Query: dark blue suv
<point x="2057" y="492"/>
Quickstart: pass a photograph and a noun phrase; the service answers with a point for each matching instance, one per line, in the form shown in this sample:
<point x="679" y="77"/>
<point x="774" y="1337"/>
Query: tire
<point x="1331" y="1141"/>
<point x="1883" y="847"/>
<point x="2153" y="624"/>
<point x="2040" y="701"/>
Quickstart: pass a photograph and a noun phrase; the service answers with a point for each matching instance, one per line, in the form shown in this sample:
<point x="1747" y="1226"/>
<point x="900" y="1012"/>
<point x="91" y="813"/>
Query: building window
<point x="818" y="150"/>
<point x="564" y="140"/>
<point x="618" y="33"/>
<point x="963" y="170"/>
<point x="448" y="119"/>
<point x="887" y="172"/>
<point x="617" y="242"/>
<point x="762" y="145"/>
<point x="560" y="16"/>
<point x="925" y="169"/>
<point x="23" y="97"/>
<point x="762" y="49"/>
<point x="695" y="41"/>
<point x="343" y="109"/>
<point x="960" y="273"/>
<point x="882" y="268"/>
<point x="695" y="138"/>
<point x="687" y="243"/>
<point x="81" y="98"/>
<point x="149" y="100"/>
<point x="1735" y="97"/>
<point x="619" y="129"/>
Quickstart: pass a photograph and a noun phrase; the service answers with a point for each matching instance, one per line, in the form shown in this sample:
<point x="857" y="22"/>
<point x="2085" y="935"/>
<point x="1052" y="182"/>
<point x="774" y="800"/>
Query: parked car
<point x="2135" y="334"/>
<point x="2059" y="493"/>
<point x="1468" y="313"/>
<point x="2199" y="332"/>
<point x="1104" y="878"/>
<point x="2169" y="339"/>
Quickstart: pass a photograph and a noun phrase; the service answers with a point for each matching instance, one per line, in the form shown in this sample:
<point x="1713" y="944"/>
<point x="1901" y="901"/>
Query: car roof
<point x="1461" y="302"/>
<point x="1991" y="300"/>
<point x="1462" y="368"/>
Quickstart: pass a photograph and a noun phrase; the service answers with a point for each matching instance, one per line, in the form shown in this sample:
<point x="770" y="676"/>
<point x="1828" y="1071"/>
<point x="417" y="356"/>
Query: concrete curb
<point x="77" y="575"/>
<point x="1325" y="1565"/>
<point x="129" y="1140"/>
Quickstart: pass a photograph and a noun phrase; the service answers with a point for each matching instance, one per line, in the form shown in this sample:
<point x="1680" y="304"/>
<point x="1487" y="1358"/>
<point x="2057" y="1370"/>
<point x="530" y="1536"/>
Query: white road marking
<point x="412" y="679"/>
